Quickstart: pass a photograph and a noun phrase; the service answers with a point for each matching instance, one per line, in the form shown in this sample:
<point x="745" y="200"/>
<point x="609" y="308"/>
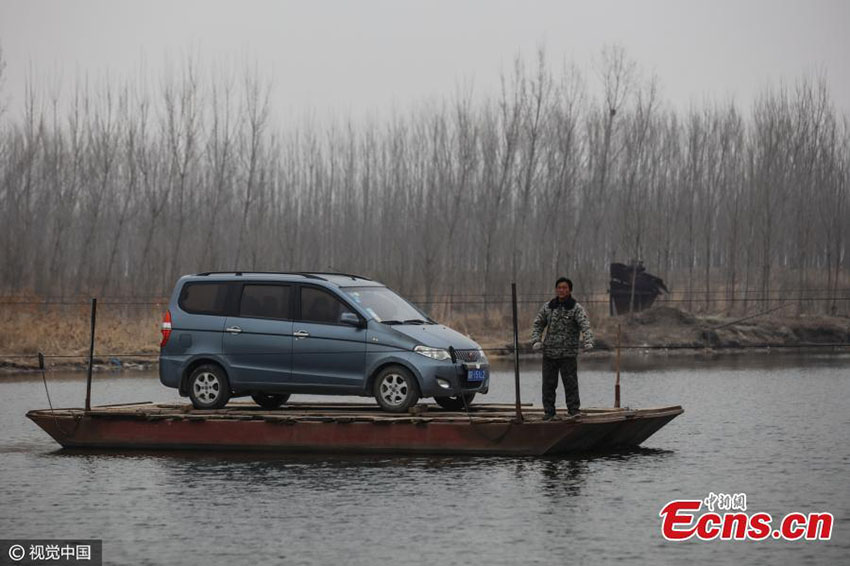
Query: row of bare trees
<point x="117" y="189"/>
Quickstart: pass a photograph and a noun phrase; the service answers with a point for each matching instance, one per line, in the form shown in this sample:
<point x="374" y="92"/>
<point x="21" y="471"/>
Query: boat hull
<point x="341" y="428"/>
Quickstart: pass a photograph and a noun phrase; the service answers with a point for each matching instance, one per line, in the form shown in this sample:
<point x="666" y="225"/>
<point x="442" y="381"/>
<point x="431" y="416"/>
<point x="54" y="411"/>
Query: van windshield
<point x="386" y="306"/>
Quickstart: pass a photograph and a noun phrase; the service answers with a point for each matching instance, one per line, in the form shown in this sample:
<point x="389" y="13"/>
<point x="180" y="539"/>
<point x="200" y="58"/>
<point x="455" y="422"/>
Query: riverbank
<point x="667" y="330"/>
<point x="125" y="338"/>
<point x="128" y="342"/>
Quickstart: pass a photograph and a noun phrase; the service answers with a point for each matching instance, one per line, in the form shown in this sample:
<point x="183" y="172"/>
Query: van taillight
<point x="166" y="328"/>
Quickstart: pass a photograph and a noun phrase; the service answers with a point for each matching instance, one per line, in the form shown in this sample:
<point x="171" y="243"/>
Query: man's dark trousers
<point x="568" y="369"/>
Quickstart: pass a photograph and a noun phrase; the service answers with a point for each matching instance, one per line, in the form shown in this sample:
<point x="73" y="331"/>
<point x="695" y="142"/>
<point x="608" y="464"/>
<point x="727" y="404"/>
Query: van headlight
<point x="482" y="357"/>
<point x="433" y="353"/>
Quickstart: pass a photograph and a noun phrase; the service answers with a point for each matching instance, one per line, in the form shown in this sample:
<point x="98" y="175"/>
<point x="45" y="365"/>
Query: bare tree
<point x="182" y="114"/>
<point x="256" y="114"/>
<point x="126" y="186"/>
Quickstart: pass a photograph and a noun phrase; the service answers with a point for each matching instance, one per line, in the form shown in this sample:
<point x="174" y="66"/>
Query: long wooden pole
<point x="91" y="353"/>
<point x="516" y="354"/>
<point x="617" y="383"/>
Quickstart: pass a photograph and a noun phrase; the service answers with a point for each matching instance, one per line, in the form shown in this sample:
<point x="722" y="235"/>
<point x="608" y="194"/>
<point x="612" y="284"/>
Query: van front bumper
<point x="450" y="380"/>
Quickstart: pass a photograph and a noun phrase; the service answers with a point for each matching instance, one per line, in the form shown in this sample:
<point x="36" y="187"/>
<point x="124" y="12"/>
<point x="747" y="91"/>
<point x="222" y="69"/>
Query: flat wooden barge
<point x="487" y="429"/>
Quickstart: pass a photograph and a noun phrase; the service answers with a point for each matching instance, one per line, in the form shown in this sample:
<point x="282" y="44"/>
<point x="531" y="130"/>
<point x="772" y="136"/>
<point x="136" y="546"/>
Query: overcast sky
<point x="366" y="56"/>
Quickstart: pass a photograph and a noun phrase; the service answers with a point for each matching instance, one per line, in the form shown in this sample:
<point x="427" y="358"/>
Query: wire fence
<point x="459" y="304"/>
<point x="484" y="302"/>
<point x="698" y="295"/>
<point x="499" y="351"/>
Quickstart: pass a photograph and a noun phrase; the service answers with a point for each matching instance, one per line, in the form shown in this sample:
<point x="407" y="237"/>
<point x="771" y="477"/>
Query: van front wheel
<point x="396" y="389"/>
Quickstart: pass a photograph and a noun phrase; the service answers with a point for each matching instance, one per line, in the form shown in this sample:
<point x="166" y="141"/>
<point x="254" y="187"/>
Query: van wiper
<point x="408" y="321"/>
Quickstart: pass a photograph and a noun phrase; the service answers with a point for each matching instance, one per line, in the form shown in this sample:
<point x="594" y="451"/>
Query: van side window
<point x="265" y="301"/>
<point x="204" y="298"/>
<point x="320" y="306"/>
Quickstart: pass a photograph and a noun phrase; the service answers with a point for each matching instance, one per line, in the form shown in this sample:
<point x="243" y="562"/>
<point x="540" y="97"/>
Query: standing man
<point x="564" y="321"/>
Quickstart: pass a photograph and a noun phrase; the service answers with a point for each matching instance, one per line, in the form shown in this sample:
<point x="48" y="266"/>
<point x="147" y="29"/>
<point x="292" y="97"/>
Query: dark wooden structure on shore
<point x="632" y="289"/>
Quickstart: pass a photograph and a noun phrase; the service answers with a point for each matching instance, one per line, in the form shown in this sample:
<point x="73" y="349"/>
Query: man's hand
<point x="588" y="346"/>
<point x="537" y="346"/>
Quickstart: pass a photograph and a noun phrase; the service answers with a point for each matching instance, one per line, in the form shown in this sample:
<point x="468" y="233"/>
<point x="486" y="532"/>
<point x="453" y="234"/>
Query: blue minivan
<point x="269" y="335"/>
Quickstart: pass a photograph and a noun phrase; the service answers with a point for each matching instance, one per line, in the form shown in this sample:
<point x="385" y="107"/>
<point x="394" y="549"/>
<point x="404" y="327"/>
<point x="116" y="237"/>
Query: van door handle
<point x="233" y="329"/>
<point x="301" y="334"/>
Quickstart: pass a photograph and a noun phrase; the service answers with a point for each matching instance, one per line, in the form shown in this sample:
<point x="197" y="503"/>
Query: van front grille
<point x="468" y="355"/>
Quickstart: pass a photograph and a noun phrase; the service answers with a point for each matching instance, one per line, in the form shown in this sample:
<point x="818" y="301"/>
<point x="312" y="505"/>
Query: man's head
<point x="563" y="287"/>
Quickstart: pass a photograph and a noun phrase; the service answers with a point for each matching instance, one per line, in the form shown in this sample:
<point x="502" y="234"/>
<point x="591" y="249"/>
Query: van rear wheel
<point x="458" y="403"/>
<point x="269" y="401"/>
<point x="208" y="387"/>
<point x="396" y="389"/>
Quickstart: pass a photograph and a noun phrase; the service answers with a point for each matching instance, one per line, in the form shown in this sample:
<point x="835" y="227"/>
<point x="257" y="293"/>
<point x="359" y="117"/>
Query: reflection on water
<point x="555" y="475"/>
<point x="769" y="426"/>
<point x="562" y="477"/>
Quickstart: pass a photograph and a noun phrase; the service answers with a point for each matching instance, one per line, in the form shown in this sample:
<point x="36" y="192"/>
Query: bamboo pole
<point x="91" y="353"/>
<point x="617" y="383"/>
<point x="516" y="354"/>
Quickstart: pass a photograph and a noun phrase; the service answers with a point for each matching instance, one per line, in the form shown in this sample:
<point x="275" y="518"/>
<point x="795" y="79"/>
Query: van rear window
<point x="204" y="298"/>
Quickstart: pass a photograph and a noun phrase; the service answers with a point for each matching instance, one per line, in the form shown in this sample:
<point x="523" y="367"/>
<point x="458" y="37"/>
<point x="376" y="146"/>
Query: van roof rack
<point x="238" y="273"/>
<point x="307" y="274"/>
<point x="338" y="274"/>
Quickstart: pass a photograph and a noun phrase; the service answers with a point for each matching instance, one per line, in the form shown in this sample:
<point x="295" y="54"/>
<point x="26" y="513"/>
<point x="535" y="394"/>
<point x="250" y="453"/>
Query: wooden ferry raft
<point x="487" y="429"/>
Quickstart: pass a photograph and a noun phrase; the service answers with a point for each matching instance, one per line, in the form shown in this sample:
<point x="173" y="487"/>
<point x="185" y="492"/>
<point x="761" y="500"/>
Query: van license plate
<point x="476" y="375"/>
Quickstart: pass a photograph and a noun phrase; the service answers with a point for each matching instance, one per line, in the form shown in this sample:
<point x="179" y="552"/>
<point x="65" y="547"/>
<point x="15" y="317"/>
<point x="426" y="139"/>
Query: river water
<point x="772" y="426"/>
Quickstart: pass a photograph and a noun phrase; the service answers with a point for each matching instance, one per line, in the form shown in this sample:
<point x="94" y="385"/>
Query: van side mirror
<point x="350" y="318"/>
